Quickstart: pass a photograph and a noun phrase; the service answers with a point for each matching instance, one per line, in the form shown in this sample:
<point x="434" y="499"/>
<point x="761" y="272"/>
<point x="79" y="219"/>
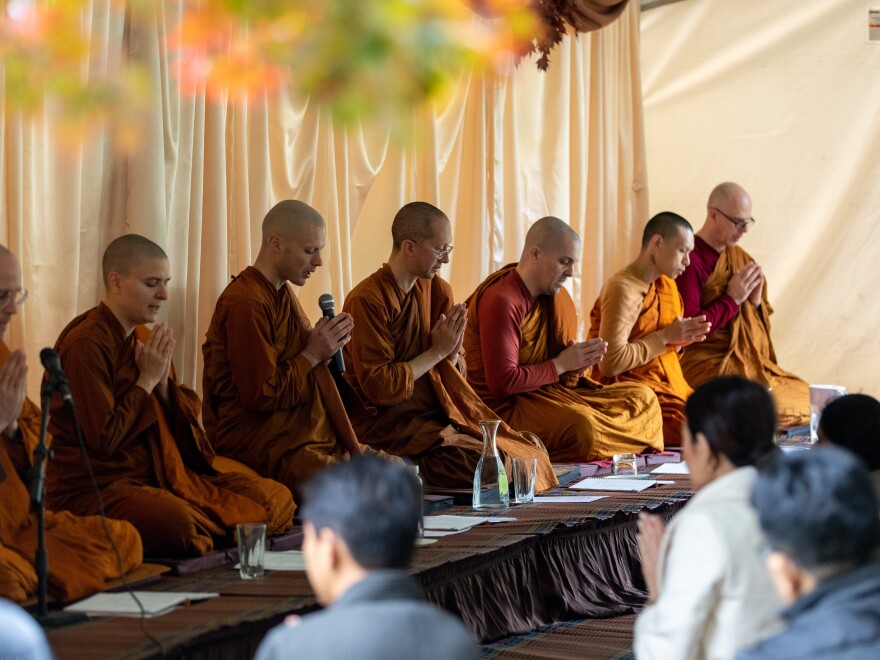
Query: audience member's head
<point x="358" y="516"/>
<point x="818" y="511"/>
<point x="730" y="423"/>
<point x="20" y="636"/>
<point x="853" y="422"/>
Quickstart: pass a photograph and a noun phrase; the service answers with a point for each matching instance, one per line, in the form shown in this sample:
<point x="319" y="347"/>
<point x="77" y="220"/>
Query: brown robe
<point x="151" y="459"/>
<point x="264" y="405"/>
<point x="81" y="558"/>
<point x="577" y="418"/>
<point x="434" y="419"/>
<point x="627" y="314"/>
<point x="743" y="347"/>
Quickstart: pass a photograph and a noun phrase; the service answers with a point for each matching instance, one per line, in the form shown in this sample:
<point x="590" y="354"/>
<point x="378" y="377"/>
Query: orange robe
<point x="577" y="418"/>
<point x="264" y="405"/>
<point x="434" y="419"/>
<point x="743" y="347"/>
<point x="628" y="315"/>
<point x="81" y="558"/>
<point x="151" y="458"/>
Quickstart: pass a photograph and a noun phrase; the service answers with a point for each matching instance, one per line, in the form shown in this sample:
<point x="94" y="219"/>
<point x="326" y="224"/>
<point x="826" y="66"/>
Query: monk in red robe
<point x="270" y="401"/>
<point x="639" y="313"/>
<point x="724" y="284"/>
<point x="81" y="557"/>
<point x="523" y="359"/>
<point x="149" y="453"/>
<point x="404" y="359"/>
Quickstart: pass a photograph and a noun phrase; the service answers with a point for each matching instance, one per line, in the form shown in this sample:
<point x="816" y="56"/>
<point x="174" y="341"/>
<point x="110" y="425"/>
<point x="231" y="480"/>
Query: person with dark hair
<point x="818" y="512"/>
<point x="853" y="422"/>
<point x="709" y="593"/>
<point x="404" y="359"/>
<point x="724" y="283"/>
<point x="359" y="522"/>
<point x="524" y="360"/>
<point x="639" y="313"/>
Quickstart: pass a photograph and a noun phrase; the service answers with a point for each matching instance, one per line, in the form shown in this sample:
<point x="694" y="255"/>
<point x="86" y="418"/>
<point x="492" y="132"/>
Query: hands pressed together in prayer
<point x="651" y="531"/>
<point x="747" y="284"/>
<point x="327" y="337"/>
<point x="447" y="334"/>
<point x="581" y="355"/>
<point x="13" y="389"/>
<point x="682" y="332"/>
<point x="153" y="359"/>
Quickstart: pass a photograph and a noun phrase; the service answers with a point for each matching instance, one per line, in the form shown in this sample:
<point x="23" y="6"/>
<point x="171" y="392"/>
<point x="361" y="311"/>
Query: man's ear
<point x="534" y="252"/>
<point x="113" y="281"/>
<point x="787" y="576"/>
<point x="654" y="243"/>
<point x="329" y="542"/>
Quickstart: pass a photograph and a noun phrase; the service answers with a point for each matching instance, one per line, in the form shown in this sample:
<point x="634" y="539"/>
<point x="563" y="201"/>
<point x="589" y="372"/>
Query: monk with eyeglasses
<point x="725" y="284"/>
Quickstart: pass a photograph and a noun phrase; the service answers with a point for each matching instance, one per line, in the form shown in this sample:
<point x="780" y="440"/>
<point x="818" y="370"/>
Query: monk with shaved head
<point x="525" y="361"/>
<point x="639" y="313"/>
<point x="724" y="284"/>
<point x="150" y="456"/>
<point x="270" y="400"/>
<point x="81" y="556"/>
<point x="404" y="360"/>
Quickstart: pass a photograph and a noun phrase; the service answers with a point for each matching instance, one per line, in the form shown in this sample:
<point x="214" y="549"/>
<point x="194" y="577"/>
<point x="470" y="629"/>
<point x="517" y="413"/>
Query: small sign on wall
<point x="874" y="25"/>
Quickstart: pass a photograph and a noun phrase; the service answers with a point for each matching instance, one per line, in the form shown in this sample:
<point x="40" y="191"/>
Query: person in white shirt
<point x="710" y="594"/>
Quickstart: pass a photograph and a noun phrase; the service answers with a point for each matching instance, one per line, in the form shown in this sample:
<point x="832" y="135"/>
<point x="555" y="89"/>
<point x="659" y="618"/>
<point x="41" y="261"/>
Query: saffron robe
<point x="628" y="315"/>
<point x="743" y="346"/>
<point x="151" y="458"/>
<point x="264" y="404"/>
<point x="511" y="341"/>
<point x="81" y="557"/>
<point x="433" y="419"/>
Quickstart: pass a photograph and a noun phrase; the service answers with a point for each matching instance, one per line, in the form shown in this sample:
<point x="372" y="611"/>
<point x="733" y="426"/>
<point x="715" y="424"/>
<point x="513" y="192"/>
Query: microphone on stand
<point x="57" y="378"/>
<point x="326" y="303"/>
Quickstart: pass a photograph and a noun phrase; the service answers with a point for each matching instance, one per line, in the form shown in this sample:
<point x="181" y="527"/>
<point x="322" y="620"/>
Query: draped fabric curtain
<point x="497" y="154"/>
<point x="783" y="98"/>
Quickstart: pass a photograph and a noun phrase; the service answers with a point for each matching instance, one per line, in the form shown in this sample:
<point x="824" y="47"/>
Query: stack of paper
<point x="155" y="603"/>
<point x="626" y="485"/>
<point x="672" y="468"/>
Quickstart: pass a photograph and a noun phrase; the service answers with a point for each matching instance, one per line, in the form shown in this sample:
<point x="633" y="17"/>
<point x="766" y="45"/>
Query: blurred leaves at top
<point x="72" y="60"/>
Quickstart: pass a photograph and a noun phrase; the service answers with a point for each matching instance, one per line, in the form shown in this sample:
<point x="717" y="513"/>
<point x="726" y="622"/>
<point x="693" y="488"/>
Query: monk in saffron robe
<point x="270" y="400"/>
<point x="523" y="359"/>
<point x="639" y="313"/>
<point x="403" y="359"/>
<point x="80" y="556"/>
<point x="724" y="284"/>
<point x="150" y="456"/>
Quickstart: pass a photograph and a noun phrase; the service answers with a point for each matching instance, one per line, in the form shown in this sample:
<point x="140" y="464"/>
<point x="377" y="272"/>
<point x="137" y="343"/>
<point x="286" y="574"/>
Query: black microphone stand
<point x="42" y="454"/>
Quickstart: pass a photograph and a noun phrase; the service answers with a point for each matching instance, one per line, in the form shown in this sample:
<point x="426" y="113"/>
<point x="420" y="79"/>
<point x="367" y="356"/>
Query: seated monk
<point x="724" y="284"/>
<point x="80" y="556"/>
<point x="270" y="400"/>
<point x="639" y="313"/>
<point x="403" y="359"/>
<point x="523" y="360"/>
<point x="149" y="453"/>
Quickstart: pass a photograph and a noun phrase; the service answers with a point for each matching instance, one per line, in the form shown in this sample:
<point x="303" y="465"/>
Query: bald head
<point x="415" y="222"/>
<point x="288" y="218"/>
<point x="665" y="224"/>
<point x="550" y="234"/>
<point x="127" y="252"/>
<point x="726" y="195"/>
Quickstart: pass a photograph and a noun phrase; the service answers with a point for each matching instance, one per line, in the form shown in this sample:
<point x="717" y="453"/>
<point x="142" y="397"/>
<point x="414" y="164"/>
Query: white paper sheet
<point x="627" y="485"/>
<point x="439" y="533"/>
<point x="567" y="498"/>
<point x="672" y="468"/>
<point x="454" y="523"/>
<point x="155" y="603"/>
<point x="287" y="560"/>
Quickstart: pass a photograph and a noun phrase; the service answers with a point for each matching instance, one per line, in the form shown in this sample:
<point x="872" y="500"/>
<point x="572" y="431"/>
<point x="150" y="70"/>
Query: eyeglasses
<point x="739" y="223"/>
<point x="437" y="253"/>
<point x="16" y="296"/>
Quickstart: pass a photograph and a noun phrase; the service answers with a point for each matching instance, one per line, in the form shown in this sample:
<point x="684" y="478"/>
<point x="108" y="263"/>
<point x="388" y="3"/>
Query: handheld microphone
<point x="326" y="303"/>
<point x="57" y="377"/>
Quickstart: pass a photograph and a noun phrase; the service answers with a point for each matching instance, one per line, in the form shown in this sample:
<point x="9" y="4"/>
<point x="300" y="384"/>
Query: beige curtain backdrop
<point x="498" y="154"/>
<point x="784" y="98"/>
